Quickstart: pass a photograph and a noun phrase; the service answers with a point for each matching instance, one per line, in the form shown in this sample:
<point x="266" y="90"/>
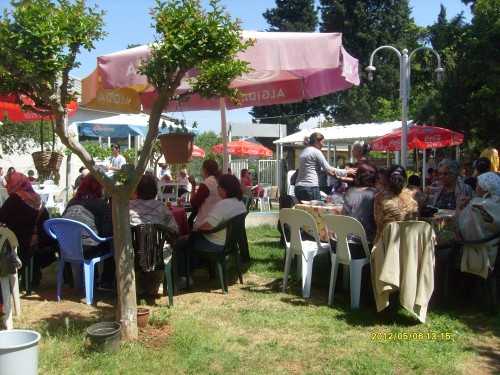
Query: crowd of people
<point x="378" y="196"/>
<point x="217" y="199"/>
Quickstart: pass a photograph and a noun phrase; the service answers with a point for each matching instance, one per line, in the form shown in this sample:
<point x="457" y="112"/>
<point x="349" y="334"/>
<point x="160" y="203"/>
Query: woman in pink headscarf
<point x="24" y="214"/>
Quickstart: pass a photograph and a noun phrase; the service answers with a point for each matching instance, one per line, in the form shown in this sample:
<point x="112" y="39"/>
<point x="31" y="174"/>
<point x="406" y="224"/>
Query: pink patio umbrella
<point x="285" y="68"/>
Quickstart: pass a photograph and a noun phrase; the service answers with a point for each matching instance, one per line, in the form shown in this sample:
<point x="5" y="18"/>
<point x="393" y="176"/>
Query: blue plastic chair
<point x="69" y="235"/>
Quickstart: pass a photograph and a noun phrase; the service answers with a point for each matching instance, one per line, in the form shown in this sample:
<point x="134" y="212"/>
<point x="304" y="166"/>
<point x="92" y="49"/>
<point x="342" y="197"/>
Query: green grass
<point x="256" y="329"/>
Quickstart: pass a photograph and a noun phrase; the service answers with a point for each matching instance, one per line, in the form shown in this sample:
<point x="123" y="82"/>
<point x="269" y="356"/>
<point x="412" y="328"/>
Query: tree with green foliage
<point x="468" y="100"/>
<point x="20" y="137"/>
<point x="39" y="44"/>
<point x="366" y="25"/>
<point x="290" y="15"/>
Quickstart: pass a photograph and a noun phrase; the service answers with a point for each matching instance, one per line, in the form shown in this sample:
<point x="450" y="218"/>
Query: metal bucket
<point x="105" y="336"/>
<point x="19" y="352"/>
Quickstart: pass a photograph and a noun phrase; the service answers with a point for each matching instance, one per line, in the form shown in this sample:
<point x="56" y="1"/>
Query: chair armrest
<point x="218" y="228"/>
<point x="481" y="241"/>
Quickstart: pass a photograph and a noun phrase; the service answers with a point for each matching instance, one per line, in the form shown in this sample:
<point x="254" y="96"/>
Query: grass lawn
<point x="257" y="329"/>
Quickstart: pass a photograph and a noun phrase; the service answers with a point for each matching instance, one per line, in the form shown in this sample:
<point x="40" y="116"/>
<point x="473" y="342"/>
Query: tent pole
<point x="457" y="149"/>
<point x="109" y="142"/>
<point x="335" y="155"/>
<point x="328" y="152"/>
<point x="229" y="139"/>
<point x="424" y="167"/>
<point x="349" y="153"/>
<point x="223" y="124"/>
<point x="129" y="141"/>
<point x="100" y="141"/>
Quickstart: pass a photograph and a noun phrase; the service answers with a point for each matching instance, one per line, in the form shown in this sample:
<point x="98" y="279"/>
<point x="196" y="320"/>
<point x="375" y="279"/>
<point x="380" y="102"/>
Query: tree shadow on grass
<point x="70" y="323"/>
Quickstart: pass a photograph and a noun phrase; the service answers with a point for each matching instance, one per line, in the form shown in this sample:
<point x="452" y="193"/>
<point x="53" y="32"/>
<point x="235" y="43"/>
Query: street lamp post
<point x="404" y="87"/>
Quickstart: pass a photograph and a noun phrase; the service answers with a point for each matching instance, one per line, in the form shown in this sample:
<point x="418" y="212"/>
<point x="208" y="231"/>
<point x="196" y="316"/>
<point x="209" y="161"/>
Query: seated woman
<point x="229" y="206"/>
<point x="89" y="207"/>
<point x="206" y="196"/>
<point x="453" y="193"/>
<point x="358" y="203"/>
<point x="479" y="220"/>
<point x="395" y="203"/>
<point x="24" y="214"/>
<point x="147" y="210"/>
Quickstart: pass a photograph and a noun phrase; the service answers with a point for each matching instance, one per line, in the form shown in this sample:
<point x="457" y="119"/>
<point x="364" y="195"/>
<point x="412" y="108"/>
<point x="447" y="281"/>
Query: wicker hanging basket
<point x="47" y="163"/>
<point x="177" y="147"/>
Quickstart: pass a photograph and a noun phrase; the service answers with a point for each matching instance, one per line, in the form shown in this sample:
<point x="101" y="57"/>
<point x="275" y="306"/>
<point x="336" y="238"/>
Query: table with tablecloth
<point x="318" y="212"/>
<point x="444" y="224"/>
<point x="180" y="217"/>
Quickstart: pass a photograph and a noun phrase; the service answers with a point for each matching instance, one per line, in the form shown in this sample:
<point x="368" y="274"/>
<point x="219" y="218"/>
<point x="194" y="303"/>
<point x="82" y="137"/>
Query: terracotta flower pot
<point x="177" y="147"/>
<point x="142" y="317"/>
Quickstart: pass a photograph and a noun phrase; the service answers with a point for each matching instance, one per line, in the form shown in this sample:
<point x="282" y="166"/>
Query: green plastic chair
<point x="150" y="242"/>
<point x="235" y="233"/>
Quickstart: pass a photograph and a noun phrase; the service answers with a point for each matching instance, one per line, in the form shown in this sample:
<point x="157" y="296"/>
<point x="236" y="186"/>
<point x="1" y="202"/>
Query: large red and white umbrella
<point x="419" y="137"/>
<point x="11" y="109"/>
<point x="243" y="148"/>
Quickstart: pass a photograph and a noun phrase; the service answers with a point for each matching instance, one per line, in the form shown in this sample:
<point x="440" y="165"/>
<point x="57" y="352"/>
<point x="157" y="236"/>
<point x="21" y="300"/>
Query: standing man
<point x="117" y="160"/>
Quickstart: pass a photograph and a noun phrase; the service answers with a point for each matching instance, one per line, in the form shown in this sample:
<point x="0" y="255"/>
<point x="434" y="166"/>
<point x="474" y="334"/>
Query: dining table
<point x="319" y="211"/>
<point x="444" y="224"/>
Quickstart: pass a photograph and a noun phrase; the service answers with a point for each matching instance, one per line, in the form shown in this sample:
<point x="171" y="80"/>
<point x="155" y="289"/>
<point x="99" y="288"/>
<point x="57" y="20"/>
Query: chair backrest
<point x="8" y="241"/>
<point x="343" y="226"/>
<point x="297" y="220"/>
<point x="149" y="241"/>
<point x="68" y="234"/>
<point x="235" y="229"/>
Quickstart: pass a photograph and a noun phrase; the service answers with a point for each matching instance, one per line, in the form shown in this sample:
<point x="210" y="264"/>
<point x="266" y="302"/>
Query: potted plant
<point x="176" y="141"/>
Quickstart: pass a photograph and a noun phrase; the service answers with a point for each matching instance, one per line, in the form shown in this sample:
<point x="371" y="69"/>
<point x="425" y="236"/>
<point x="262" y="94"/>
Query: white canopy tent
<point x="342" y="135"/>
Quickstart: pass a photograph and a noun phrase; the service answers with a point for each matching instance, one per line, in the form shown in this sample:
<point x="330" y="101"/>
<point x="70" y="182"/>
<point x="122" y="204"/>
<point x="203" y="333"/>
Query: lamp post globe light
<point x="404" y="87"/>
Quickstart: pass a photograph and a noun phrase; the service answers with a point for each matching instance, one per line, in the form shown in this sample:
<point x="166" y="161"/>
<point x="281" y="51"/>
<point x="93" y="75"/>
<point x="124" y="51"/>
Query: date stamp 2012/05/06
<point x="406" y="336"/>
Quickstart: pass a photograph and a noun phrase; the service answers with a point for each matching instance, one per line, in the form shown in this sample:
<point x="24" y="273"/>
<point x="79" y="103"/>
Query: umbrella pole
<point x="223" y="123"/>
<point x="424" y="167"/>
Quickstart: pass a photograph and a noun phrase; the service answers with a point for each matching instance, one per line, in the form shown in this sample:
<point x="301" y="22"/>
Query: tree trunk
<point x="126" y="309"/>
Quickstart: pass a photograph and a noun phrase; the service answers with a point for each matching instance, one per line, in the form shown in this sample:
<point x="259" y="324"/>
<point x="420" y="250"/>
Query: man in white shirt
<point x="117" y="160"/>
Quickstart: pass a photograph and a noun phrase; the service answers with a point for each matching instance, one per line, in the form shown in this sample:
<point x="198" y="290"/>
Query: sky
<point x="128" y="22"/>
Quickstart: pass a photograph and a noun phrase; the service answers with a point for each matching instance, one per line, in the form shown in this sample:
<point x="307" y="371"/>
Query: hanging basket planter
<point x="47" y="163"/>
<point x="177" y="147"/>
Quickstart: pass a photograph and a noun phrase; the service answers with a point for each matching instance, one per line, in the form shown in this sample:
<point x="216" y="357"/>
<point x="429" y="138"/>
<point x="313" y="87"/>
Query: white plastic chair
<point x="296" y="220"/>
<point x="10" y="283"/>
<point x="342" y="227"/>
<point x="264" y="202"/>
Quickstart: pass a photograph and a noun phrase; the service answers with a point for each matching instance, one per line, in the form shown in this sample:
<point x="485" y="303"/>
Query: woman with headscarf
<point x="89" y="207"/>
<point x="478" y="221"/>
<point x="24" y="214"/>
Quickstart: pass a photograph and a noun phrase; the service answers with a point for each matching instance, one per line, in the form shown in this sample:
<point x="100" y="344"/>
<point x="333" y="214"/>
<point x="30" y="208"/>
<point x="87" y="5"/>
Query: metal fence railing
<point x="267" y="172"/>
